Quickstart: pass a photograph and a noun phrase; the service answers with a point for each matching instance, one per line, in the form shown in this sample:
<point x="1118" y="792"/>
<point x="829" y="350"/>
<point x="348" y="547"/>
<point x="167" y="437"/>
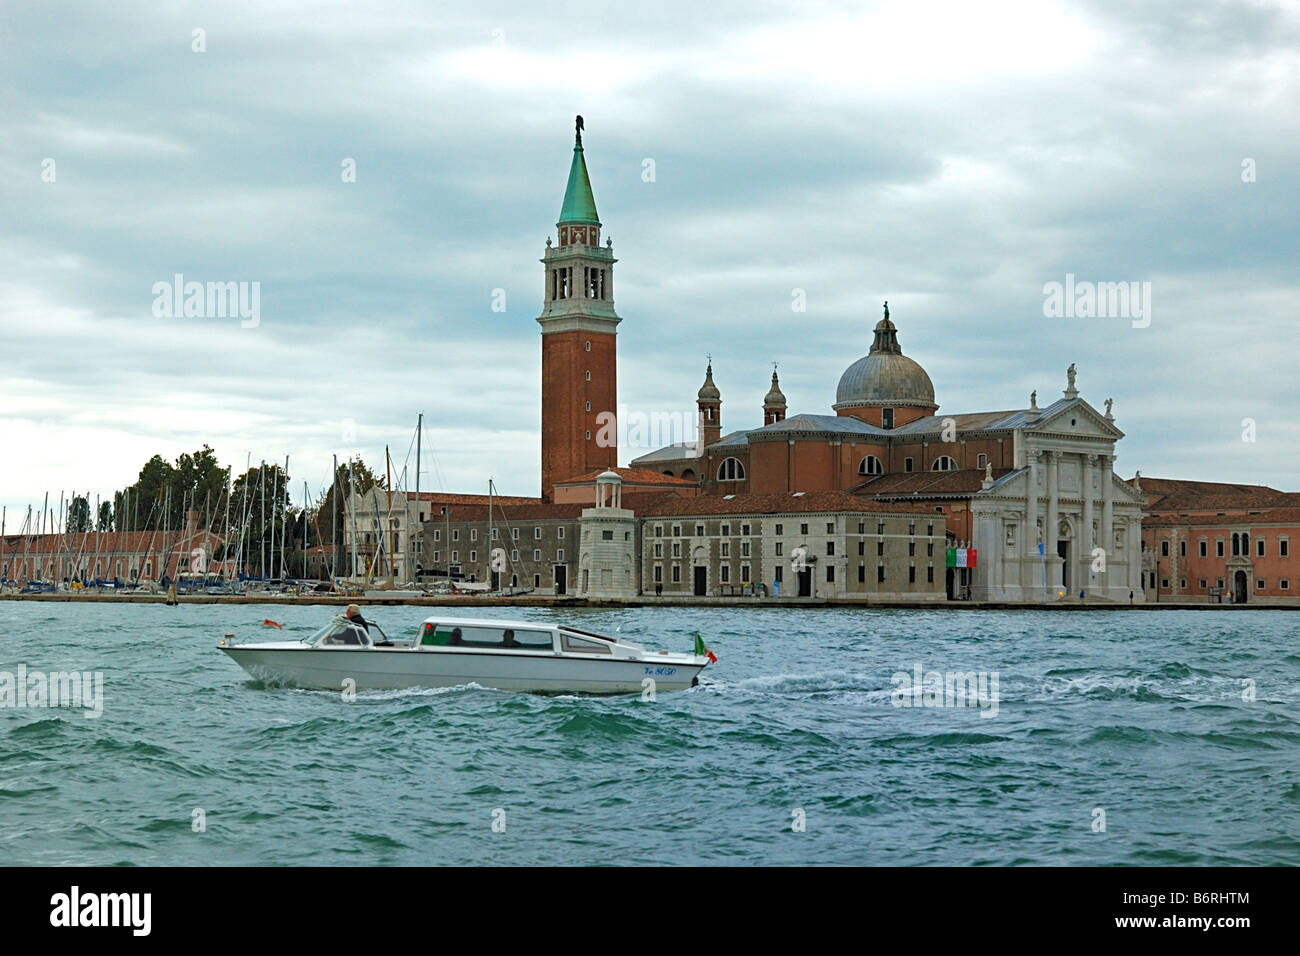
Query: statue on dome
<point x="886" y="310"/>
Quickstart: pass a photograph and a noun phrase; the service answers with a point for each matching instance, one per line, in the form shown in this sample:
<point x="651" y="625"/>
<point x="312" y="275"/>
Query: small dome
<point x="708" y="391"/>
<point x="610" y="476"/>
<point x="884" y="376"/>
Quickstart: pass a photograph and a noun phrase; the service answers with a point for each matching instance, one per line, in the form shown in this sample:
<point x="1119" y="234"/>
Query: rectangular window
<point x="455" y="557"/>
<point x="607" y="536"/>
<point x="981" y="461"/>
<point x="473" y="534"/>
<point x="880" y="527"/>
<point x="537" y="534"/>
<point x="907" y="464"/>
<point x="726" y="530"/>
<point x="778" y="529"/>
<point x="744" y="529"/>
<point x="677" y="574"/>
<point x="830" y="573"/>
<point x="1218" y="547"/>
<point x="659" y="573"/>
<point x="659" y="550"/>
<point x="862" y="573"/>
<point x="779" y="552"/>
<point x="830" y="527"/>
<point x="455" y="534"/>
<point x="880" y="573"/>
<point x="677" y="531"/>
<point x="1204" y="583"/>
<point x="699" y="531"/>
<point x="1164" y="548"/>
<point x="803" y="529"/>
<point x="744" y="574"/>
<point x="862" y="548"/>
<point x="537" y="580"/>
<point x="911" y="574"/>
<point x="1182" y="548"/>
<point x="880" y="548"/>
<point x="559" y="555"/>
<point x="929" y="574"/>
<point x="744" y="549"/>
<point x="437" y="534"/>
<point x="929" y="529"/>
<point x="561" y="534"/>
<point x="887" y="418"/>
<point x="776" y="574"/>
<point x="1204" y="547"/>
<point x="929" y="550"/>
<point x="911" y="529"/>
<point x="537" y="554"/>
<point x="1259" y="585"/>
<point x="473" y="556"/>
<point x="911" y="549"/>
<point x="437" y="556"/>
<point x="677" y="549"/>
<point x="1284" y="584"/>
<point x="726" y="573"/>
<point x="514" y="534"/>
<point x="659" y="531"/>
<point x="830" y="548"/>
<point x="1283" y="548"/>
<point x="726" y="549"/>
<point x="1259" y="546"/>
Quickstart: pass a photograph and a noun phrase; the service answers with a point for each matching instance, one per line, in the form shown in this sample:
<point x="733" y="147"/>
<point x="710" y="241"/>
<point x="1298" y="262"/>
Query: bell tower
<point x="579" y="387"/>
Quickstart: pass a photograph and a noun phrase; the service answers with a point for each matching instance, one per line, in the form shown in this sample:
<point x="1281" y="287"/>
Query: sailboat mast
<point x="419" y="527"/>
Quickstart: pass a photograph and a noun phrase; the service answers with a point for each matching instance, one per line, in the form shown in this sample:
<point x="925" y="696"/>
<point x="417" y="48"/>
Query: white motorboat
<point x="506" y="655"/>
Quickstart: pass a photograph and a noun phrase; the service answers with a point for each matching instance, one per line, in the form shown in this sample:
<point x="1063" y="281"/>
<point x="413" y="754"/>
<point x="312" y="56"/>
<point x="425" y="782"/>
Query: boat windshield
<point x="339" y="632"/>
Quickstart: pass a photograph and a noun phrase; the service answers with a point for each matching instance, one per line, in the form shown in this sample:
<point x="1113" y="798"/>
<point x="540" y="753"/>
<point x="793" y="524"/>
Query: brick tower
<point x="579" y="388"/>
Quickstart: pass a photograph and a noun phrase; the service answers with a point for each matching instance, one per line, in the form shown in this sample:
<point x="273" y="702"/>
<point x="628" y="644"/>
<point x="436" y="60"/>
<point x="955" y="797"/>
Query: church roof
<point x="635" y="476"/>
<point x="678" y="451"/>
<point x="884" y="376"/>
<point x="928" y="484"/>
<point x="835" y="424"/>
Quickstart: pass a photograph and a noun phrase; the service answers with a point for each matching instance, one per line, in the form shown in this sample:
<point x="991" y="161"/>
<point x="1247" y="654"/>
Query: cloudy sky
<point x="952" y="158"/>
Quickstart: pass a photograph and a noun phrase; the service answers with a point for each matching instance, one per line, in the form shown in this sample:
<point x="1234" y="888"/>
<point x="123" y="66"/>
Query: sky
<point x="747" y="159"/>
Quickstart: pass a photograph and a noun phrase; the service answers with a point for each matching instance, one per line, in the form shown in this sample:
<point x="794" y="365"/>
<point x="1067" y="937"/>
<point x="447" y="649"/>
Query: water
<point x="1138" y="713"/>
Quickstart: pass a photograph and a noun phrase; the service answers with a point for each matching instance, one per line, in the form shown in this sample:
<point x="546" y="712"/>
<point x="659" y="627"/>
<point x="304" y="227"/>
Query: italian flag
<point x="702" y="651"/>
<point x="961" y="557"/>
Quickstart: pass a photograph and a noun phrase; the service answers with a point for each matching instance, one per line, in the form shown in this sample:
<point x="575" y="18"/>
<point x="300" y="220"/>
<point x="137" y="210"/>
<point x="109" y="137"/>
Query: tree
<point x="78" y="515"/>
<point x="330" y="507"/>
<point x="261" y="495"/>
<point x="105" y="520"/>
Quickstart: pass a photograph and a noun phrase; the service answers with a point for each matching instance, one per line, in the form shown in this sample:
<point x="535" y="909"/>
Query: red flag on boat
<point x="270" y="623"/>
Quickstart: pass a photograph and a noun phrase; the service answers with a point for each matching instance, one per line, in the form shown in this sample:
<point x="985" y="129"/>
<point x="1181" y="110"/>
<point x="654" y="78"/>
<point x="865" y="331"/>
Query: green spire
<point x="579" y="203"/>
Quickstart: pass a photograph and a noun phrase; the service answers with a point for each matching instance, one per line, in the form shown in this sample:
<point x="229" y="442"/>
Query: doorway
<point x="1239" y="589"/>
<point x="805" y="582"/>
<point x="561" y="579"/>
<point x="1063" y="551"/>
<point x="701" y="580"/>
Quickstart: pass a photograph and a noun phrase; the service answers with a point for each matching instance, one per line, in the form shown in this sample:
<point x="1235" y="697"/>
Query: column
<point x="1133" y="546"/>
<point x="1087" y="542"/>
<point x="1107" y="510"/>
<point x="1029" y="529"/>
<point x="1052" y="521"/>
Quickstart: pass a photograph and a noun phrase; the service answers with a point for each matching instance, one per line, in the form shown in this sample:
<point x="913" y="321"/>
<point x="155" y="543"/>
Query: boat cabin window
<point x="343" y="633"/>
<point x="470" y="635"/>
<point x="584" y="646"/>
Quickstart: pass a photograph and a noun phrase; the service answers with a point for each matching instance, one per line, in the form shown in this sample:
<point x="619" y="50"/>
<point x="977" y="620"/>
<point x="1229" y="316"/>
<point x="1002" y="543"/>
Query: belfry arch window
<point x="943" y="463"/>
<point x="731" y="469"/>
<point x="870" y="466"/>
<point x="588" y="345"/>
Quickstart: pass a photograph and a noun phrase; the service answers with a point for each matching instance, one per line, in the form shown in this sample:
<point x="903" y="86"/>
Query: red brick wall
<point x="566" y="451"/>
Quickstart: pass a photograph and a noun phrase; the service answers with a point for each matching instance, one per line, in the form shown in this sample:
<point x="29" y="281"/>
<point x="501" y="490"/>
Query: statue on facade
<point x="988" y="471"/>
<point x="1069" y="374"/>
<point x="1033" y="399"/>
<point x="1109" y="403"/>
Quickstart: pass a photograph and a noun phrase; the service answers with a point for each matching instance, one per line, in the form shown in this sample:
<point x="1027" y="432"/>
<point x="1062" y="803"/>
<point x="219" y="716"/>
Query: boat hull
<point x="398" y="668"/>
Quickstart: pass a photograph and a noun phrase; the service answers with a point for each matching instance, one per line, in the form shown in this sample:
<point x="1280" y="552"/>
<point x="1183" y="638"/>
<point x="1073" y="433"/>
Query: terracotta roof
<point x="514" y="513"/>
<point x="449" y="498"/>
<point x="813" y="501"/>
<point x="1181" y="486"/>
<point x="940" y="484"/>
<point x="636" y="476"/>
<point x="1233" y="519"/>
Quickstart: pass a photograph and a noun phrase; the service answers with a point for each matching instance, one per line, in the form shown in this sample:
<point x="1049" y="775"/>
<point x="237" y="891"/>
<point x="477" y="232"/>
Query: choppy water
<point x="1138" y="713"/>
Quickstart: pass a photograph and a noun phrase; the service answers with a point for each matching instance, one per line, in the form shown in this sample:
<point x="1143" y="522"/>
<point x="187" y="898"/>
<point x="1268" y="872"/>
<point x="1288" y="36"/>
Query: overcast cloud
<point x="949" y="157"/>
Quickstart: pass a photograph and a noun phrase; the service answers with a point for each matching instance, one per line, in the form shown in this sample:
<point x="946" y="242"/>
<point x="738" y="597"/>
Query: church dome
<point x="708" y="391"/>
<point x="884" y="376"/>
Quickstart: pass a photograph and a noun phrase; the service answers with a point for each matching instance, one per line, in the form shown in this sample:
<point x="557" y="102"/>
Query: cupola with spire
<point x="774" y="402"/>
<point x="709" y="402"/>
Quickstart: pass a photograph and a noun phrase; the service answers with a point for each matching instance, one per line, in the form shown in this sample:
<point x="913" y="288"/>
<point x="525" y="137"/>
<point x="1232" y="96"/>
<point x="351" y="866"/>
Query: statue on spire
<point x="886" y="310"/>
<point x="577" y="133"/>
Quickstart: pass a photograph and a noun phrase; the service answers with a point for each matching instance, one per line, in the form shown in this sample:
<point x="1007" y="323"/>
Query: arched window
<point x="688" y="473"/>
<point x="668" y="473"/>
<point x="870" y="466"/>
<point x="731" y="470"/>
<point x="943" y="463"/>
